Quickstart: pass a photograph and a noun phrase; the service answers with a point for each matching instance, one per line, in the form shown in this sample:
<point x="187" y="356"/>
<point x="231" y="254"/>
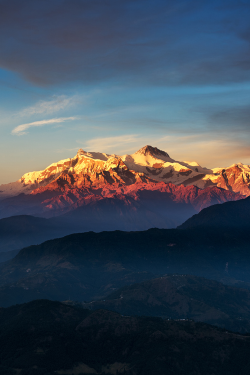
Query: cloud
<point x="133" y="41"/>
<point x="21" y="129"/>
<point x="111" y="144"/>
<point x="57" y="103"/>
<point x="206" y="149"/>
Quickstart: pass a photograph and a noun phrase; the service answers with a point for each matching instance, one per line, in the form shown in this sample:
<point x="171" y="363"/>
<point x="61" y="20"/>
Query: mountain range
<point x="97" y="191"/>
<point x="88" y="266"/>
<point x="93" y="169"/>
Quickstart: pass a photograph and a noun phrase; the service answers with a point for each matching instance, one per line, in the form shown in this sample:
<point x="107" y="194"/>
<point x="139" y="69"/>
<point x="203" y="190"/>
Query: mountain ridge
<point x="44" y="337"/>
<point x="133" y="183"/>
<point x="166" y="203"/>
<point x="131" y="208"/>
<point x="228" y="215"/>
<point x="182" y="297"/>
<point x="147" y="163"/>
<point x="88" y="266"/>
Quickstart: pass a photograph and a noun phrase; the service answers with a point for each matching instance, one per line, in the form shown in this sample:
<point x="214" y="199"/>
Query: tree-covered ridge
<point x="44" y="338"/>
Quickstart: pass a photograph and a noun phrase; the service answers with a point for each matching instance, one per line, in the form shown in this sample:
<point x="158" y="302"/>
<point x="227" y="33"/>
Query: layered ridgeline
<point x="182" y="297"/>
<point x="131" y="192"/>
<point x="45" y="338"/>
<point x="93" y="267"/>
<point x="90" y="266"/>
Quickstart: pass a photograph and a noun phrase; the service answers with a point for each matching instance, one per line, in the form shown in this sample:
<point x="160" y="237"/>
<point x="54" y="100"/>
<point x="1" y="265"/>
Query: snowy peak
<point x="80" y="152"/>
<point x="92" y="169"/>
<point x="153" y="151"/>
<point x="147" y="156"/>
<point x="236" y="178"/>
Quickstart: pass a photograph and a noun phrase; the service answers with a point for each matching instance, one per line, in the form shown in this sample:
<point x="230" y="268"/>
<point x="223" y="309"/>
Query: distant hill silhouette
<point x="227" y="215"/>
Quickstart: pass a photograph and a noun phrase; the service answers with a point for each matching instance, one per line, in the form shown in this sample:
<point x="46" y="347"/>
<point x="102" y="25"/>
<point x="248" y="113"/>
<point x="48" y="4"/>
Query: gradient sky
<point x="115" y="75"/>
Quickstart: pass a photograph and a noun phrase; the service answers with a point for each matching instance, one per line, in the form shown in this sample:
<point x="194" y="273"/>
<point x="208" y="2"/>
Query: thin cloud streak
<point x="207" y="151"/>
<point x="56" y="104"/>
<point x="111" y="143"/>
<point x="21" y="129"/>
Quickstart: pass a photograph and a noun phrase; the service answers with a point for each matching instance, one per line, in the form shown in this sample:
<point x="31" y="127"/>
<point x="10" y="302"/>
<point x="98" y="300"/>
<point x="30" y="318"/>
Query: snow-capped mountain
<point x="85" y="169"/>
<point x="92" y="169"/>
<point x="160" y="166"/>
<point x="131" y="192"/>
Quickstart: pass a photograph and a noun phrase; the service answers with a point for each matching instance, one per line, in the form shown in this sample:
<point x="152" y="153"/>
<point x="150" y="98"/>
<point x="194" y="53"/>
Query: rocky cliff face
<point x="235" y="178"/>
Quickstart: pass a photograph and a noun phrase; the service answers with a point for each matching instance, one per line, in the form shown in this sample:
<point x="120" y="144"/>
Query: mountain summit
<point x="80" y="152"/>
<point x="154" y="151"/>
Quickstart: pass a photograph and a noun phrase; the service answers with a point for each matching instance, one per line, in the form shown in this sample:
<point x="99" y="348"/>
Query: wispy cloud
<point x="111" y="144"/>
<point x="21" y="129"/>
<point x="56" y="104"/>
<point x="205" y="149"/>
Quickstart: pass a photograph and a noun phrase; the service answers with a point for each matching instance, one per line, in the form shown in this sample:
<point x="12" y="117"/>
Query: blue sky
<point x="113" y="76"/>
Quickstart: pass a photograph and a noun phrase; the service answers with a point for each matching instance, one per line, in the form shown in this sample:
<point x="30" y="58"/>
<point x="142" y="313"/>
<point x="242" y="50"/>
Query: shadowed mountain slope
<point x="166" y="203"/>
<point x="44" y="337"/>
<point x="131" y="208"/>
<point x="182" y="297"/>
<point x="91" y="265"/>
<point x="235" y="215"/>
